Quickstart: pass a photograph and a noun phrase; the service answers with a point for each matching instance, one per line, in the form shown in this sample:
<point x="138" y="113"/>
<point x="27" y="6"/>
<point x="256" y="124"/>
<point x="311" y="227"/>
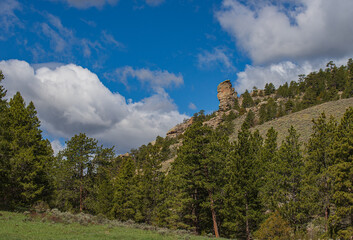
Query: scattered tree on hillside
<point x="247" y="100"/>
<point x="269" y="89"/>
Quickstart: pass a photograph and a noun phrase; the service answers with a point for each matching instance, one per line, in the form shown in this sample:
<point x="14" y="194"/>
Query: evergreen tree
<point x="150" y="183"/>
<point x="271" y="180"/>
<point x="29" y="156"/>
<point x="348" y="87"/>
<point x="236" y="104"/>
<point x="269" y="89"/>
<point x="250" y="119"/>
<point x="283" y="91"/>
<point x="290" y="171"/>
<point x="247" y="100"/>
<point x="242" y="206"/>
<point x="124" y="185"/>
<point x="4" y="147"/>
<point x="318" y="161"/>
<point x="196" y="175"/>
<point x="100" y="199"/>
<point x="342" y="175"/>
<point x="75" y="171"/>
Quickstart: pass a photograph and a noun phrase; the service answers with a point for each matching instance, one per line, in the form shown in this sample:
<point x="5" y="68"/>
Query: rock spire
<point x="226" y="95"/>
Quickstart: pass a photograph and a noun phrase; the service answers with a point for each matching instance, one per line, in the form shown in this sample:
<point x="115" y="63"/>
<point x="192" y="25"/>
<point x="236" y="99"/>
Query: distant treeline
<point x="330" y="84"/>
<point x="246" y="189"/>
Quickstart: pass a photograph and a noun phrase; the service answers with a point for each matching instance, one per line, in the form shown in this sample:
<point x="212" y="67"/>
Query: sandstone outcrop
<point x="179" y="129"/>
<point x="226" y="96"/>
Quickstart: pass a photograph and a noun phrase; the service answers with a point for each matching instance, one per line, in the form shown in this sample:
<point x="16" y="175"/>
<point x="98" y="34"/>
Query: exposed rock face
<point x="179" y="129"/>
<point x="226" y="96"/>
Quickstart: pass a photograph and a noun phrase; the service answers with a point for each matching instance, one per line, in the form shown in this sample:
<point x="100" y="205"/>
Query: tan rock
<point x="226" y="95"/>
<point x="180" y="128"/>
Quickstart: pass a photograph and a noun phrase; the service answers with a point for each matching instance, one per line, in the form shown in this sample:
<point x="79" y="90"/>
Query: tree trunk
<point x="215" y="227"/>
<point x="195" y="214"/>
<point x="247" y="229"/>
<point x="327" y="213"/>
<point x="81" y="190"/>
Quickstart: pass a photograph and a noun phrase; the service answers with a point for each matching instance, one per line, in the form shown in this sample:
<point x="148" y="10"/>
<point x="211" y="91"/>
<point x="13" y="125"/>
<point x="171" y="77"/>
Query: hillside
<point x="301" y="121"/>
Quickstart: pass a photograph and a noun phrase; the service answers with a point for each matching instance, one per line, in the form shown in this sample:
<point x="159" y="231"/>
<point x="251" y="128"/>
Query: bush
<point x="274" y="227"/>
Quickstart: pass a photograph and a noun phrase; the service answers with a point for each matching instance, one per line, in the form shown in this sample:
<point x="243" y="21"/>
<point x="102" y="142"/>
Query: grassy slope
<point x="15" y="226"/>
<point x="301" y="121"/>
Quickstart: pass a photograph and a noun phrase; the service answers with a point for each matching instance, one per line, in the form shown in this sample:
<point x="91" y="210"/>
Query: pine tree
<point x="150" y="183"/>
<point x="290" y="170"/>
<point x="269" y="89"/>
<point x="348" y="87"/>
<point x="247" y="100"/>
<point x="124" y="191"/>
<point x="100" y="199"/>
<point x="242" y="206"/>
<point x="342" y="175"/>
<point x="4" y="161"/>
<point x="29" y="156"/>
<point x="271" y="180"/>
<point x="75" y="171"/>
<point x="318" y="161"/>
<point x="250" y="119"/>
<point x="196" y="175"/>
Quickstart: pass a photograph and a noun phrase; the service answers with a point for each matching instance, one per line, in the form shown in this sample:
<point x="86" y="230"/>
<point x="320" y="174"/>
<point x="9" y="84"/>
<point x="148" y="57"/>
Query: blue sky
<point x="126" y="71"/>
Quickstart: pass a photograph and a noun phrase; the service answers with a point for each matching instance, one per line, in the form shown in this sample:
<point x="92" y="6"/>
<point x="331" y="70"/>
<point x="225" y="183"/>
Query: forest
<point x="250" y="188"/>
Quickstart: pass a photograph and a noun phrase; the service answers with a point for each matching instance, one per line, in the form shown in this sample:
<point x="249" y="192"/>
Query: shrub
<point x="274" y="227"/>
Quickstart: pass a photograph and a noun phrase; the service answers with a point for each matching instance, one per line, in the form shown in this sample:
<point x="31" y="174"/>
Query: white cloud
<point x="109" y="39"/>
<point x="218" y="57"/>
<point x="71" y="99"/>
<point x="84" y="4"/>
<point x="192" y="106"/>
<point x="310" y="29"/>
<point x="8" y="18"/>
<point x="278" y="73"/>
<point x="63" y="40"/>
<point x="156" y="79"/>
<point x="57" y="146"/>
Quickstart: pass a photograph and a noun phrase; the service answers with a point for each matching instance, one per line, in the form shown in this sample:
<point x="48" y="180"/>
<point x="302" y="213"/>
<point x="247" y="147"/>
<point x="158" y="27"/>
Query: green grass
<point x="17" y="226"/>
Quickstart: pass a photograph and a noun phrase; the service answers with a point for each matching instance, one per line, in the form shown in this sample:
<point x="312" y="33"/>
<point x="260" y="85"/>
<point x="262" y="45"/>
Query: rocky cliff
<point x="226" y="96"/>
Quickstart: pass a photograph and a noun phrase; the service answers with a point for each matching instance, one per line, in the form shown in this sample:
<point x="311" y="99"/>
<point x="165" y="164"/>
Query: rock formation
<point x="180" y="128"/>
<point x="226" y="96"/>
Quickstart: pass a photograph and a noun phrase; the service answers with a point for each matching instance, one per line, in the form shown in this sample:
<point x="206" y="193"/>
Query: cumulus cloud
<point x="57" y="146"/>
<point x="155" y="78"/>
<point x="71" y="99"/>
<point x="219" y="57"/>
<point x="8" y="18"/>
<point x="307" y="30"/>
<point x="278" y="73"/>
